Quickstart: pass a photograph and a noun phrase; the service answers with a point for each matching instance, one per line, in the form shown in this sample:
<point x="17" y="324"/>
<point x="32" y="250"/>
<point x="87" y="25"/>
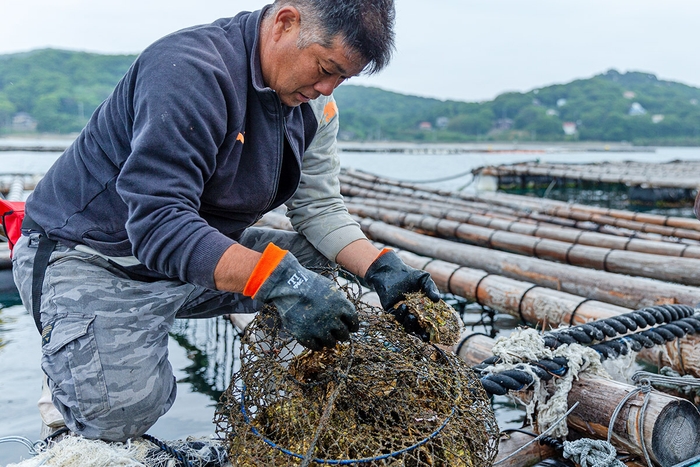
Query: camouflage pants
<point x="105" y="344"/>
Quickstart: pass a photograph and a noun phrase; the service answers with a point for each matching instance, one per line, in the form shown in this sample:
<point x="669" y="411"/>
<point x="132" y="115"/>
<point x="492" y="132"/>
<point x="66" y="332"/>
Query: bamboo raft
<point x="675" y="181"/>
<point x="549" y="264"/>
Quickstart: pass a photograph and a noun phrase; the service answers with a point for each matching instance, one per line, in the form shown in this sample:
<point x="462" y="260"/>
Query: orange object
<point x="267" y="263"/>
<point x="385" y="250"/>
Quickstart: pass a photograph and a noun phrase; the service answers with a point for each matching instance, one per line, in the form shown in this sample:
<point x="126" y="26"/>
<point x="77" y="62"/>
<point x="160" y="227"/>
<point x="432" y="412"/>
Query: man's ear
<point x="285" y="21"/>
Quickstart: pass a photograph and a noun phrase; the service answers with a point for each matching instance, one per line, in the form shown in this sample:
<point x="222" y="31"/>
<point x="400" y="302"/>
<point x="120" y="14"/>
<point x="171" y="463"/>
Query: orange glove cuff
<point x="385" y="250"/>
<point x="267" y="263"/>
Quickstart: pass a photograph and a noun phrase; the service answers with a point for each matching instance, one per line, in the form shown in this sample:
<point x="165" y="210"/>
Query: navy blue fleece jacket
<point x="189" y="150"/>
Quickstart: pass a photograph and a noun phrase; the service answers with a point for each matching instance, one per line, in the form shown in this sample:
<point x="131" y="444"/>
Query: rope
<point x="573" y="313"/>
<point x="434" y="180"/>
<point x="179" y="456"/>
<point x="449" y="280"/>
<point x="684" y="384"/>
<point x="592" y="453"/>
<point x="679" y="320"/>
<point x="683" y="318"/>
<point x="644" y="388"/>
<point x="476" y="290"/>
<point x="542" y="435"/>
<point x="520" y="303"/>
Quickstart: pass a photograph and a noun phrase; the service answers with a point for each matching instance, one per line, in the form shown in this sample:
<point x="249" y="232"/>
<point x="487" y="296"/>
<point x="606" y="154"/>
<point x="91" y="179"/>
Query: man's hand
<point x="391" y="278"/>
<point x="310" y="306"/>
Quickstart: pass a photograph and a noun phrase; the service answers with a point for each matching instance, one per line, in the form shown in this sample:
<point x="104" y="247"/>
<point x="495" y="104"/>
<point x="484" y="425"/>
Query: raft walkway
<point x="674" y="180"/>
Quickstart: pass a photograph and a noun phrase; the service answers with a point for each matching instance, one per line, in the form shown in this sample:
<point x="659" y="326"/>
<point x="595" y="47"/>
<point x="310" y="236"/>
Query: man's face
<point x="299" y="75"/>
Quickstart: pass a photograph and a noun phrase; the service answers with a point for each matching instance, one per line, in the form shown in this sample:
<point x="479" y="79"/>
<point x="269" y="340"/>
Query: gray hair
<point x="365" y="26"/>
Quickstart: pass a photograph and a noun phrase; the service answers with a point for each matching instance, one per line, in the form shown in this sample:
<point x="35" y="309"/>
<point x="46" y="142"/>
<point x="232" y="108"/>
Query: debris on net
<point x="384" y="398"/>
<point x="440" y="320"/>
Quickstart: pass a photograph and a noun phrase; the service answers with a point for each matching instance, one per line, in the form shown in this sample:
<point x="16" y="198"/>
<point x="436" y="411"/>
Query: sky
<point x="464" y="50"/>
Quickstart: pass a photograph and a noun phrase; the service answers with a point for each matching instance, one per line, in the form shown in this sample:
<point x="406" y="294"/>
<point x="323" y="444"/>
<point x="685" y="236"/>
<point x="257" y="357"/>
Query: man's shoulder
<point x="325" y="109"/>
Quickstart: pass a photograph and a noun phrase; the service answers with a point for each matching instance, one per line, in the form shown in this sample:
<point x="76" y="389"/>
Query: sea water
<point x="203" y="352"/>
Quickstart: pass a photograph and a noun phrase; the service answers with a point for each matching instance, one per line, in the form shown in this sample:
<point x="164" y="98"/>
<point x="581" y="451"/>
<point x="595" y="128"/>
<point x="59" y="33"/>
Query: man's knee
<point x="106" y="388"/>
<point x="128" y="416"/>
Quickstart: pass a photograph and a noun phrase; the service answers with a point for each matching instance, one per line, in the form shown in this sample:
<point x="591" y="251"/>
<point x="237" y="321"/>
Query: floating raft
<point x="675" y="181"/>
<point x="549" y="264"/>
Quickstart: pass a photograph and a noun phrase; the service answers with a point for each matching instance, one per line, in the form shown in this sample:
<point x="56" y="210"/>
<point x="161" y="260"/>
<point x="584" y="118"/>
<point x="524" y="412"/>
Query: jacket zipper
<point x="280" y="151"/>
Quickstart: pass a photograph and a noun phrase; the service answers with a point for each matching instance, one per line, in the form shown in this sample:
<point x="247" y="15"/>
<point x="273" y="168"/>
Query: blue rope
<point x="169" y="449"/>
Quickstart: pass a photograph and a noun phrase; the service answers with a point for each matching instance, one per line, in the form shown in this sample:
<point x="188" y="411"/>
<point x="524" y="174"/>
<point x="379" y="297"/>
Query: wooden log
<point x="529" y="209"/>
<point x="671" y="425"/>
<point x="546" y="308"/>
<point x="625" y="291"/>
<point x="670" y="221"/>
<point x="679" y="270"/>
<point x="534" y="453"/>
<point x="537" y="305"/>
<point x="275" y="220"/>
<point x="681" y="355"/>
<point x="664" y="226"/>
<point x="535" y="229"/>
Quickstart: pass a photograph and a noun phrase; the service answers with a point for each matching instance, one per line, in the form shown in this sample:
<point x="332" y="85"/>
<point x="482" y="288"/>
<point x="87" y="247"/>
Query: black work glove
<point x="310" y="306"/>
<point x="391" y="278"/>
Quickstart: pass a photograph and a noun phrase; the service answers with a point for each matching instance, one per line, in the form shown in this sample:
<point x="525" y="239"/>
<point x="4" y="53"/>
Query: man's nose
<point x="326" y="85"/>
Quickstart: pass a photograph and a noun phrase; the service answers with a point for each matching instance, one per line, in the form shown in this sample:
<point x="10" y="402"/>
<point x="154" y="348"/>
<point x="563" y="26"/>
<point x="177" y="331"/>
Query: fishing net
<point x="384" y="398"/>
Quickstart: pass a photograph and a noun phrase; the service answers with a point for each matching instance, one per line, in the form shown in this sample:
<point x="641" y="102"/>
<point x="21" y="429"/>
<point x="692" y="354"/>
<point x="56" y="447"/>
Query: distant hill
<point x="55" y="91"/>
<point x="634" y="107"/>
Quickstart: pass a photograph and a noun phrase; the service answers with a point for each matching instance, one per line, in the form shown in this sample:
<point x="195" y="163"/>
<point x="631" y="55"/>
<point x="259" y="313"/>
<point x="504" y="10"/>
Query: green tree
<point x="7" y="110"/>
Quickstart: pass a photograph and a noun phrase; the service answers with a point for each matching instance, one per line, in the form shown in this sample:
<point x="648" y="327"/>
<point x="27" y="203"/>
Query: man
<point x="147" y="215"/>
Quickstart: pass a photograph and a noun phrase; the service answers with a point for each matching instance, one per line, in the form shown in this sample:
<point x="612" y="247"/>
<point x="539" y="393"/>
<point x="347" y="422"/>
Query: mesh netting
<point x="384" y="398"/>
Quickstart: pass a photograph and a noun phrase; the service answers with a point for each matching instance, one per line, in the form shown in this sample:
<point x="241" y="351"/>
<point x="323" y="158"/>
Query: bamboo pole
<point x="537" y="305"/>
<point x="669" y="221"/>
<point x="546" y="308"/>
<point x="553" y="232"/>
<point x="534" y="453"/>
<point x="625" y="291"/>
<point x="681" y="355"/>
<point x="680" y="270"/>
<point x="527" y="207"/>
<point x="351" y="192"/>
<point x="663" y="225"/>
<point x="671" y="425"/>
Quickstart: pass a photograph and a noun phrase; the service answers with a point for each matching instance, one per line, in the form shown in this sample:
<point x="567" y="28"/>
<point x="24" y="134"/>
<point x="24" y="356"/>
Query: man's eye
<point x="325" y="72"/>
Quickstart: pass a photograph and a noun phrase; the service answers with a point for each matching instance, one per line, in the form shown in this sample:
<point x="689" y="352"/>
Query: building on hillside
<point x="658" y="118"/>
<point x="636" y="109"/>
<point x="23" y="122"/>
<point x="629" y="94"/>
<point x="442" y="122"/>
<point x="569" y="128"/>
<point x="425" y="126"/>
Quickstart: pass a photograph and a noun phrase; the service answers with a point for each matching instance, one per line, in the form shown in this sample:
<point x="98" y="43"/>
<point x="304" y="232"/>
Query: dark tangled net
<point x="384" y="398"/>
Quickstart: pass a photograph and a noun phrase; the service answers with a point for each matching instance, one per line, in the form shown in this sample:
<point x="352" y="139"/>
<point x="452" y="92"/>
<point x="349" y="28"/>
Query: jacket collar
<point x="267" y="96"/>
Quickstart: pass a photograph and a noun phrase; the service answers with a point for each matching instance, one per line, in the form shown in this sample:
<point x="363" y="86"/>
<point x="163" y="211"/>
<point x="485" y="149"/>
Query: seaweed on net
<point x="384" y="398"/>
